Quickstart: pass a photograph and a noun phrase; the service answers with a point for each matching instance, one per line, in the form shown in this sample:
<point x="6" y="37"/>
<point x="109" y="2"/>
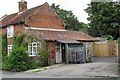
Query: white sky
<point x="76" y="6"/>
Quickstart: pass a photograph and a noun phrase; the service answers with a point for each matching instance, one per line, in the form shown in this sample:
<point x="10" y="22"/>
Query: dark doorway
<point x="63" y="52"/>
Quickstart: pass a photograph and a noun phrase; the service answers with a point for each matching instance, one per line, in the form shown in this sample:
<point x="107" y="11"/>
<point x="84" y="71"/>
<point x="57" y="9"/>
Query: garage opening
<point x="69" y="51"/>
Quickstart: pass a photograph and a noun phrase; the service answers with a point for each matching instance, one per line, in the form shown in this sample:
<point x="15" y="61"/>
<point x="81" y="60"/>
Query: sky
<point x="76" y="6"/>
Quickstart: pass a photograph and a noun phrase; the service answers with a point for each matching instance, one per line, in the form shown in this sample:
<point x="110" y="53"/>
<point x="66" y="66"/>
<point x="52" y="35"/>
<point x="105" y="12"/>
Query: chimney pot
<point x="22" y="0"/>
<point x="22" y="5"/>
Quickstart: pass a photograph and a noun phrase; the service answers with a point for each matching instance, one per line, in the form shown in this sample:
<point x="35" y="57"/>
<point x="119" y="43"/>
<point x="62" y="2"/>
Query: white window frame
<point x="10" y="31"/>
<point x="9" y="47"/>
<point x="31" y="47"/>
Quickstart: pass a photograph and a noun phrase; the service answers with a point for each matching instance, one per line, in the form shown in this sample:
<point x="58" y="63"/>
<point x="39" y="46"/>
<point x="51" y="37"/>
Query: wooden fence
<point x="109" y="48"/>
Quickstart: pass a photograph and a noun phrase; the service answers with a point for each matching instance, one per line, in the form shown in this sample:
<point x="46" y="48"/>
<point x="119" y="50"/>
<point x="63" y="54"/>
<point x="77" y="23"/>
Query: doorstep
<point x="44" y="68"/>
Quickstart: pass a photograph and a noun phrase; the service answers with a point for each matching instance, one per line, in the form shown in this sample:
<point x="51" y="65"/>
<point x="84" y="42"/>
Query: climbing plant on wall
<point x="19" y="60"/>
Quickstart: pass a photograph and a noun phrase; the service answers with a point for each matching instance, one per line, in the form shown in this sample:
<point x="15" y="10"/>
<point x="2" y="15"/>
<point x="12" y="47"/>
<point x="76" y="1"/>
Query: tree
<point x="69" y="19"/>
<point x="104" y="18"/>
<point x="84" y="27"/>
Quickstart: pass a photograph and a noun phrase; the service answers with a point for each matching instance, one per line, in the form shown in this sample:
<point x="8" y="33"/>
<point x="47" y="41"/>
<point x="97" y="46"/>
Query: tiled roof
<point x="64" y="35"/>
<point x="47" y="35"/>
<point x="19" y="17"/>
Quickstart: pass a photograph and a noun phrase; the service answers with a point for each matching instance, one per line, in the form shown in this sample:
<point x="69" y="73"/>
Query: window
<point x="9" y="49"/>
<point x="32" y="48"/>
<point x="10" y="31"/>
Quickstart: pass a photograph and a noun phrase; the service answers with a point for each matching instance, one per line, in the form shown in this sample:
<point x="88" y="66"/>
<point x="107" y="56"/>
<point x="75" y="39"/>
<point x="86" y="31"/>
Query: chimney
<point x="22" y="5"/>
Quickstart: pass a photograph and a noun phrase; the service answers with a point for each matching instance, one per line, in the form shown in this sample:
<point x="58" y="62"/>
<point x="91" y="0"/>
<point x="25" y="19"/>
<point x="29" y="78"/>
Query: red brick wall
<point x="45" y="17"/>
<point x="51" y="46"/>
<point x="19" y="29"/>
<point x="3" y="30"/>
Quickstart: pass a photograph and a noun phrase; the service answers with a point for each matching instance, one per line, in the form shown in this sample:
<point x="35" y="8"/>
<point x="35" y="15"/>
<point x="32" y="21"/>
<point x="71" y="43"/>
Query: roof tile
<point x="63" y="35"/>
<point x="18" y="17"/>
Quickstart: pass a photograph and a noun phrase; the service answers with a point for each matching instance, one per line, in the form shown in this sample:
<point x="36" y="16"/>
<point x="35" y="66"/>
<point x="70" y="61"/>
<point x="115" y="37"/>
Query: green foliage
<point x="84" y="27"/>
<point x="109" y="37"/>
<point x="4" y="51"/>
<point x="69" y="19"/>
<point x="104" y="18"/>
<point x="4" y="45"/>
<point x="43" y="56"/>
<point x="5" y="63"/>
<point x="33" y="65"/>
<point x="18" y="59"/>
<point x="118" y="39"/>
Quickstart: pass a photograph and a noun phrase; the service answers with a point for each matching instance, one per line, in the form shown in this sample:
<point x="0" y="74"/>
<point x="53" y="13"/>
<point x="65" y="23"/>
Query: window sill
<point x="32" y="55"/>
<point x="9" y="36"/>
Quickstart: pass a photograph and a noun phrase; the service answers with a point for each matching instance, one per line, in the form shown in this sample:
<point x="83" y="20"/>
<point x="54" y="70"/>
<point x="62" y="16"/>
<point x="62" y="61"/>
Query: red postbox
<point x="53" y="53"/>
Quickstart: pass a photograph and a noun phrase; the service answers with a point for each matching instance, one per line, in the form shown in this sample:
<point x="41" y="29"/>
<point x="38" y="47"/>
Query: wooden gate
<point x="108" y="48"/>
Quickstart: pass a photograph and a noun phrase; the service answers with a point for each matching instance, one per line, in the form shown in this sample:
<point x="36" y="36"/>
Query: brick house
<point x="42" y="20"/>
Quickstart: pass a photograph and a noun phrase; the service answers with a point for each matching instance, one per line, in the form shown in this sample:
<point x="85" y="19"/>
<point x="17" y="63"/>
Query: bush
<point x="43" y="56"/>
<point x="110" y="37"/>
<point x="4" y="51"/>
<point x="5" y="63"/>
<point x="118" y="39"/>
<point x="18" y="59"/>
<point x="33" y="65"/>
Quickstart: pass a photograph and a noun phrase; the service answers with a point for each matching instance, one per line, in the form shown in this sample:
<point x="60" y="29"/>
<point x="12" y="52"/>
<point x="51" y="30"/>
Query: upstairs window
<point x="32" y="48"/>
<point x="10" y="31"/>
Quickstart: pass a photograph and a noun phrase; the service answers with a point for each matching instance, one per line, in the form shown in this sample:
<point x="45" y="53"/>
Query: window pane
<point x="32" y="48"/>
<point x="34" y="44"/>
<point x="9" y="49"/>
<point x="10" y="31"/>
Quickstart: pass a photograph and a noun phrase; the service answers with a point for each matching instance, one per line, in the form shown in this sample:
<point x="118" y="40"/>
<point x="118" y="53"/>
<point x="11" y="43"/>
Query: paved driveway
<point x="88" y="70"/>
